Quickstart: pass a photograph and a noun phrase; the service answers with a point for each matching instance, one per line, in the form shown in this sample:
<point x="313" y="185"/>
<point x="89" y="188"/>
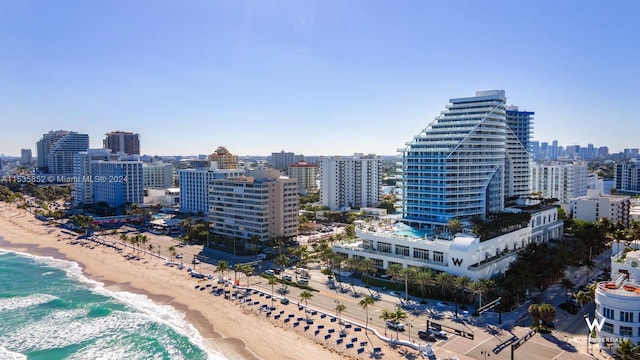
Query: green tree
<point x="535" y="314"/>
<point x="222" y="266"/>
<point x="365" y="303"/>
<point x="306" y="295"/>
<point x="568" y="287"/>
<point x="172" y="251"/>
<point x="385" y="315"/>
<point x="547" y="313"/>
<point x="582" y="297"/>
<point x="272" y="282"/>
<point x="283" y="261"/>
<point x="340" y="307"/>
<point x="399" y="316"/>
<point x="445" y="281"/>
<point x="454" y="226"/>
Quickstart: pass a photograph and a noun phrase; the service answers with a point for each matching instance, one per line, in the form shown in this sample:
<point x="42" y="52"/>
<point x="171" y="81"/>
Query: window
<point x="607" y="327"/>
<point x="608" y="313"/>
<point x="421" y="254"/>
<point x="438" y="256"/>
<point x="626" y="316"/>
<point x="626" y="331"/>
<point x="402" y="250"/>
<point x="384" y="247"/>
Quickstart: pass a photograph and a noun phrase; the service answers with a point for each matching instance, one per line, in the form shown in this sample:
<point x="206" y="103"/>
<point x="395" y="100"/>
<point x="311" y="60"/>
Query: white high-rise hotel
<point x="350" y="181"/>
<point x="466" y="161"/>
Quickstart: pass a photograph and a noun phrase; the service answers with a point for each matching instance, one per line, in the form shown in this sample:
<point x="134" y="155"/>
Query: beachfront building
<point x="158" y="175"/>
<point x="118" y="182"/>
<point x="465" y="162"/>
<point x="560" y="180"/>
<point x="462" y="254"/>
<point x="25" y="157"/>
<point x="56" y="150"/>
<point x="618" y="300"/>
<point x="224" y="159"/>
<point x="596" y="205"/>
<point x="194" y="186"/>
<point x="348" y="182"/>
<point x="122" y="142"/>
<point x="82" y="175"/>
<point x="169" y="197"/>
<point x="281" y="160"/>
<point x="627" y="177"/>
<point x="262" y="206"/>
<point x="306" y="174"/>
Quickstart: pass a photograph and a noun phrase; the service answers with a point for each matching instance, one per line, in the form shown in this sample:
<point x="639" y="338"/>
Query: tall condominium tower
<point x="25" y="157"/>
<point x="350" y="181"/>
<point x="57" y="148"/>
<point x="456" y="168"/>
<point x="122" y="142"/>
<point x="282" y="160"/>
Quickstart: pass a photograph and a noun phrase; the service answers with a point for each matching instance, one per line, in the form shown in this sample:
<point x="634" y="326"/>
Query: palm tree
<point x="283" y="261"/>
<point x="364" y="303"/>
<point x="454" y="226"/>
<point x="444" y="280"/>
<point x="386" y="315"/>
<point x="339" y="309"/>
<point x="582" y="297"/>
<point x="123" y="238"/>
<point x="172" y="251"/>
<point x="460" y="284"/>
<point x="367" y="267"/>
<point x="222" y="266"/>
<point x="150" y="249"/>
<point x="305" y="295"/>
<point x="626" y="350"/>
<point x="394" y="271"/>
<point x="272" y="282"/>
<point x="424" y="279"/>
<point x="399" y="316"/>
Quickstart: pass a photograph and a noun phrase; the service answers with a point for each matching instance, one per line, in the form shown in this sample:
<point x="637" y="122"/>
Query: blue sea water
<point x="49" y="310"/>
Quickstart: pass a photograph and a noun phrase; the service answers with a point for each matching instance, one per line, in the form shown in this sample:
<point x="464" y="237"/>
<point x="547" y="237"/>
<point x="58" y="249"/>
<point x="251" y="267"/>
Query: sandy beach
<point x="236" y="330"/>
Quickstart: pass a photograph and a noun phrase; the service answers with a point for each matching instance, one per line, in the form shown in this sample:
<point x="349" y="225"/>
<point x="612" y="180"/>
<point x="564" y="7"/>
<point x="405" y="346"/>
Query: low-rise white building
<point x="169" y="197"/>
<point x="595" y="205"/>
<point x="462" y="254"/>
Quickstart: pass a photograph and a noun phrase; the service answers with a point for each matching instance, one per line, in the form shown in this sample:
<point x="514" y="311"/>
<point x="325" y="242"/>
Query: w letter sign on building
<point x="456" y="261"/>
<point x="595" y="324"/>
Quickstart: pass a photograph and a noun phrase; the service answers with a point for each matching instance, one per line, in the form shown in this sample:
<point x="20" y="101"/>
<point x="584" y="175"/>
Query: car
<point x="439" y="333"/>
<point x="284" y="301"/>
<point x="269" y="272"/>
<point x="287" y="277"/>
<point x="303" y="281"/>
<point x="277" y="271"/>
<point x="261" y="257"/>
<point x="195" y="261"/>
<point x="395" y="325"/>
<point x="179" y="256"/>
<point x="426" y="335"/>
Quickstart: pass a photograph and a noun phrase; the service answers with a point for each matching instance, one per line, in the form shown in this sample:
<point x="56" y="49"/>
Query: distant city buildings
<point x="25" y="157"/>
<point x="122" y="142"/>
<point x="561" y="180"/>
<point x="306" y="175"/>
<point x="57" y="148"/>
<point x="261" y="206"/>
<point x="224" y="159"/>
<point x="281" y="160"/>
<point x="348" y="182"/>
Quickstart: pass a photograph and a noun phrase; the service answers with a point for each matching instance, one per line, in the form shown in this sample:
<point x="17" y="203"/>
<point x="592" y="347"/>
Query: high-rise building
<point x="595" y="205"/>
<point x="306" y="175"/>
<point x="350" y="181"/>
<point x="25" y="157"/>
<point x="282" y="160"/>
<point x="158" y="175"/>
<point x="194" y="186"/>
<point x="456" y="167"/>
<point x="518" y="152"/>
<point x="57" y="148"/>
<point x="224" y="159"/>
<point x="627" y="177"/>
<point x="561" y="180"/>
<point x="82" y="174"/>
<point x="262" y="206"/>
<point x="118" y="183"/>
<point x="122" y="142"/>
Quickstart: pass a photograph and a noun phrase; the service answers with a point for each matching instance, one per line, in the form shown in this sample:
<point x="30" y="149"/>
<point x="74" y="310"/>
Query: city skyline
<point x="314" y="78"/>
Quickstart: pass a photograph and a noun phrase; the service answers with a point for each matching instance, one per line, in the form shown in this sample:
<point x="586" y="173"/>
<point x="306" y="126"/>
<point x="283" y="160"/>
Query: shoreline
<point x="224" y="329"/>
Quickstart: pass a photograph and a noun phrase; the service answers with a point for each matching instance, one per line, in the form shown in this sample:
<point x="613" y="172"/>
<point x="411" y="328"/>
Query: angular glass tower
<point x="455" y="167"/>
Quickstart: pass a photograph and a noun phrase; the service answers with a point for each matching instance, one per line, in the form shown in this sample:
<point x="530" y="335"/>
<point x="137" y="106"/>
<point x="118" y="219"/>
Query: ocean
<point x="49" y="310"/>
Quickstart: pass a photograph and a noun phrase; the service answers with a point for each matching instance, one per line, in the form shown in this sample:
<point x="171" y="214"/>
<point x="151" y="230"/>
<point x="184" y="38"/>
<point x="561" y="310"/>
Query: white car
<point x="269" y="272"/>
<point x="195" y="261"/>
<point x="395" y="325"/>
<point x="438" y="333"/>
<point x="179" y="256"/>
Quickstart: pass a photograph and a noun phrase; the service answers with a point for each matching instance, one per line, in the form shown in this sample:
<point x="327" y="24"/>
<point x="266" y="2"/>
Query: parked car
<point x="287" y="277"/>
<point x="395" y="325"/>
<point x="438" y="333"/>
<point x="269" y="272"/>
<point x="303" y="281"/>
<point x="284" y="301"/>
<point x="195" y="261"/>
<point x="426" y="335"/>
<point x="179" y="256"/>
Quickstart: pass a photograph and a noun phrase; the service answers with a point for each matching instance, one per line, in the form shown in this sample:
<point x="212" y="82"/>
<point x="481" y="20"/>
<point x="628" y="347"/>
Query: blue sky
<point x="311" y="77"/>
